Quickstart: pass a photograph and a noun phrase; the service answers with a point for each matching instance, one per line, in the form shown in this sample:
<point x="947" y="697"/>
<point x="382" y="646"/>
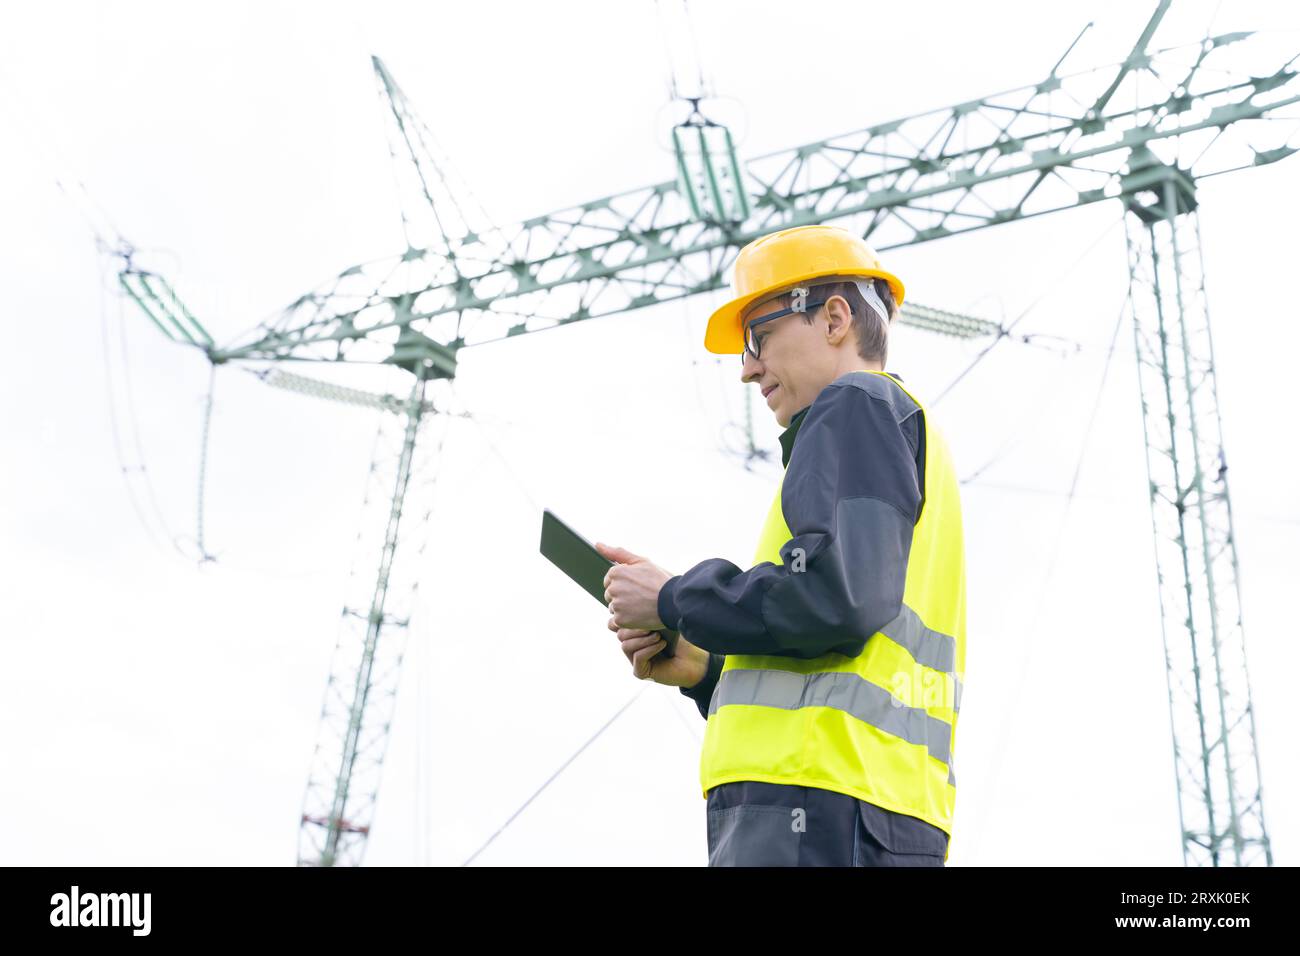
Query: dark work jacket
<point x="851" y="442"/>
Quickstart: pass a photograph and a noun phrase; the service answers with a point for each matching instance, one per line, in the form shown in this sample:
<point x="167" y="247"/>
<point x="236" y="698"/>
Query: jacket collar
<point x="792" y="430"/>
<point x="787" y="436"/>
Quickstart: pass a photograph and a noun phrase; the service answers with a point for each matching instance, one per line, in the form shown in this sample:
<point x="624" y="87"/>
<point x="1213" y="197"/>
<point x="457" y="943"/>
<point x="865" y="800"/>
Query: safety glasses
<point x="753" y="344"/>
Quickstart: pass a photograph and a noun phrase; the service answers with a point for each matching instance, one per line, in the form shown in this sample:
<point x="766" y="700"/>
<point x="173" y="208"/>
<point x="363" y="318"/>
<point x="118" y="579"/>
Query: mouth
<point x="769" y="390"/>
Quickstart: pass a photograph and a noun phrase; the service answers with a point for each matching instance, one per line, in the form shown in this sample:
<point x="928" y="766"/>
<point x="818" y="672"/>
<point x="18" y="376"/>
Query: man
<point x="829" y="673"/>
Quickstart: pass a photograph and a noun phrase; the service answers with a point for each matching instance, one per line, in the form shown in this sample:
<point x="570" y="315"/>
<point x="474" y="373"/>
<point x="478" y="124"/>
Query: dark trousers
<point x="768" y="824"/>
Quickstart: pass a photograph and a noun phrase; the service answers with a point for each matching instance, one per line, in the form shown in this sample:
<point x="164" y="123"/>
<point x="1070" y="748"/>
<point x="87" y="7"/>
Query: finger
<point x="621" y="555"/>
<point x="611" y="625"/>
<point x="633" y="644"/>
<point x="642" y="660"/>
<point x="632" y="648"/>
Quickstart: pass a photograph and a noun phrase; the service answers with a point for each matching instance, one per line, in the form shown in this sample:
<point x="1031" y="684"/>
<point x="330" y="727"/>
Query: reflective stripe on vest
<point x="880" y="726"/>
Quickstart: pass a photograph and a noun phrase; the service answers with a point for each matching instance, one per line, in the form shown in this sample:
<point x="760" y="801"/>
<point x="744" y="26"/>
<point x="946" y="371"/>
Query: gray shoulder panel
<point x="884" y="389"/>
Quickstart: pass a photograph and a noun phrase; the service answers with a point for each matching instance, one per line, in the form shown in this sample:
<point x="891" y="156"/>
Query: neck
<point x="852" y="362"/>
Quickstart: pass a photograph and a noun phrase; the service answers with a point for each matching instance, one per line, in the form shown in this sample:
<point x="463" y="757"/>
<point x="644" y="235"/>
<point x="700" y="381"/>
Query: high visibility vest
<point x="880" y="726"/>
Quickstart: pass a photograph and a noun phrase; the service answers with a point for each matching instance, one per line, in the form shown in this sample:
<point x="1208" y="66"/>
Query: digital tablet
<point x="578" y="558"/>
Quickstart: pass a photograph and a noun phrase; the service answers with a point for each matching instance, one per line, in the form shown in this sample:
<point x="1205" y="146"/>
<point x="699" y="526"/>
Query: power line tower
<point x="1220" y="804"/>
<point x="1052" y="146"/>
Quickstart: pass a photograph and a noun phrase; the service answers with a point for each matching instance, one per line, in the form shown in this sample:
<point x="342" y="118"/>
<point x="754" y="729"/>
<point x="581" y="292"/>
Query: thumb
<point x="621" y="555"/>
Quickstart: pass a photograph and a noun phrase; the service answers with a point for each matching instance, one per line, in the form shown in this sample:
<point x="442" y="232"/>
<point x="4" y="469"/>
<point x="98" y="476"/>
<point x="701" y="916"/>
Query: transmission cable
<point x="1003" y="333"/>
<point x="1042" y="589"/>
<point x="549" y="780"/>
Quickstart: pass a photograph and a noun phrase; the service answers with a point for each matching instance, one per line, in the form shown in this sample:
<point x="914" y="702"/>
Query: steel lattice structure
<point x="1024" y="153"/>
<point x="361" y="693"/>
<point x="1220" y="798"/>
<point x="1058" y="144"/>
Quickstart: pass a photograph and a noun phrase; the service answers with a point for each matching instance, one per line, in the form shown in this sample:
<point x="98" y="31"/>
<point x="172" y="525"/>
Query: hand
<point x="685" y="668"/>
<point x="632" y="588"/>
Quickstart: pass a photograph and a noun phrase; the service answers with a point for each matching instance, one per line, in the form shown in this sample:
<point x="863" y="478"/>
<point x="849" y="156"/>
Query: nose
<point x="751" y="368"/>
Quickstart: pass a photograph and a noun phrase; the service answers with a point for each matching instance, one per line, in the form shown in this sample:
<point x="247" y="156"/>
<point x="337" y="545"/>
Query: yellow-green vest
<point x="880" y="726"/>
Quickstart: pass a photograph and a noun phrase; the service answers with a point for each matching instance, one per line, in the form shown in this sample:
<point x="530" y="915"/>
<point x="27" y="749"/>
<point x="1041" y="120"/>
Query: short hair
<point x="872" y="330"/>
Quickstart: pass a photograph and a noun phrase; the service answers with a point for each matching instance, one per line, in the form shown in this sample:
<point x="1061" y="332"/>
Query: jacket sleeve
<point x="851" y="498"/>
<point x="702" y="693"/>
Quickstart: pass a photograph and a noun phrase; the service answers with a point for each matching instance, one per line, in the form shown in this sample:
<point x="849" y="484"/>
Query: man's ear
<point x="839" y="320"/>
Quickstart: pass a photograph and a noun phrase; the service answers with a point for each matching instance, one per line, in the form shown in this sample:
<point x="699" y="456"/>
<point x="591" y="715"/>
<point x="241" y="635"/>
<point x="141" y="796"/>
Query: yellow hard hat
<point x="781" y="260"/>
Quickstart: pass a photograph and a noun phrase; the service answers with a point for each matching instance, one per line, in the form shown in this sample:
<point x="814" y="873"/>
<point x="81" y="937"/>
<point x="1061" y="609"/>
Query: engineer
<point x="830" y="672"/>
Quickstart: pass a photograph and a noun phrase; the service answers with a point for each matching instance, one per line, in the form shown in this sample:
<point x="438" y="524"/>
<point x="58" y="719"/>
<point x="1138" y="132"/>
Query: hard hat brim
<point x="725" y="335"/>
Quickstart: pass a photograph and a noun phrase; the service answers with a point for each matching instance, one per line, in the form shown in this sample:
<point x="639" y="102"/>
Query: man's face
<point x="796" y="362"/>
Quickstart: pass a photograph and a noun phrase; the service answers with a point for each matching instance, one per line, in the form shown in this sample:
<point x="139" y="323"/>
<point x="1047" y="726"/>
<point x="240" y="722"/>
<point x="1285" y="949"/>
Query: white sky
<point x="157" y="713"/>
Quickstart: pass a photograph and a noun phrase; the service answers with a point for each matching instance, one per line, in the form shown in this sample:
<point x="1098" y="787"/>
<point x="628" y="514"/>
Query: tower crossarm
<point x="1010" y="156"/>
